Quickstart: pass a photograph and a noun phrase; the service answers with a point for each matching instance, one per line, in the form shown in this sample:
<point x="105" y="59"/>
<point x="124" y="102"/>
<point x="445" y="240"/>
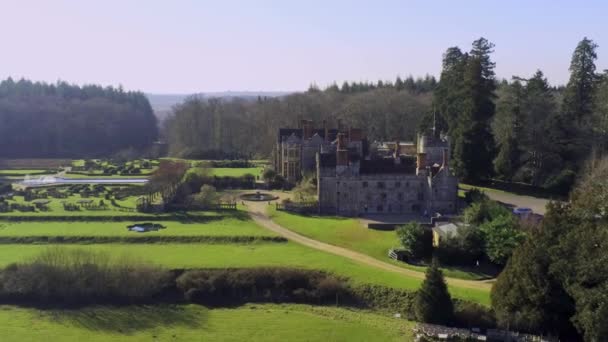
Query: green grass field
<point x="260" y="322"/>
<point x="24" y="172"/>
<point x="223" y="226"/>
<point x="235" y="172"/>
<point x="246" y="255"/>
<point x="350" y="233"/>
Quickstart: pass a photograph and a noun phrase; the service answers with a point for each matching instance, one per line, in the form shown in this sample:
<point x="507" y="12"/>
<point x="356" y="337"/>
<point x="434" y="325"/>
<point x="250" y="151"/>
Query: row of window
<point x="382" y="185"/>
<point x="384" y="196"/>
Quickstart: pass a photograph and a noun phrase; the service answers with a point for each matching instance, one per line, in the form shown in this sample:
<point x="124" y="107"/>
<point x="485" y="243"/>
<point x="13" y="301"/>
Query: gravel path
<point x="257" y="211"/>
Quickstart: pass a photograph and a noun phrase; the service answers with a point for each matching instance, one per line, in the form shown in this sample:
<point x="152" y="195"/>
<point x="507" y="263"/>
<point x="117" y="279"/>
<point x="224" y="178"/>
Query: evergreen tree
<point x="578" y="96"/>
<point x="433" y="303"/>
<point x="506" y="128"/>
<point x="473" y="141"/>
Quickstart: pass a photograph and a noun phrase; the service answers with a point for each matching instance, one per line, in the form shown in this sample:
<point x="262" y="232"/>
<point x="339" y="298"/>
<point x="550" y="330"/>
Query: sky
<point x="188" y="46"/>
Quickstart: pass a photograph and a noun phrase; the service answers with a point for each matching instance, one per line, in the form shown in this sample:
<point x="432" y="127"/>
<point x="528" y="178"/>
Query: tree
<point x="433" y="303"/>
<point x="506" y="128"/>
<point x="415" y="239"/>
<point x="578" y="96"/>
<point x="473" y="141"/>
<point x="207" y="196"/>
<point x="502" y="236"/>
<point x="526" y="297"/>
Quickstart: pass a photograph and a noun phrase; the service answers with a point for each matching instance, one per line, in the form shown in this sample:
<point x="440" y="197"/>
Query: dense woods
<point x="219" y="128"/>
<point x="39" y="120"/>
<point x="523" y="130"/>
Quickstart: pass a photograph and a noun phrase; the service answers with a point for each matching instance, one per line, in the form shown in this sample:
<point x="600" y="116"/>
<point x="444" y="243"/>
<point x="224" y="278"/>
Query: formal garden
<point x="203" y="225"/>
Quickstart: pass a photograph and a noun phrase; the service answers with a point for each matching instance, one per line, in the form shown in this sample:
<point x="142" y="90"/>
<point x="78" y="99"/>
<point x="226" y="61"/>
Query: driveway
<point x="257" y="211"/>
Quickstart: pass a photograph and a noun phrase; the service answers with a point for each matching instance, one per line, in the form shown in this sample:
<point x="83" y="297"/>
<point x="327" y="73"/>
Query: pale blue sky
<point x="185" y="46"/>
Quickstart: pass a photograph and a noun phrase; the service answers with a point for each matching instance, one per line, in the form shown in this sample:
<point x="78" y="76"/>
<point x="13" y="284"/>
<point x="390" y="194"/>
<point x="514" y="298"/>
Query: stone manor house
<point x="355" y="177"/>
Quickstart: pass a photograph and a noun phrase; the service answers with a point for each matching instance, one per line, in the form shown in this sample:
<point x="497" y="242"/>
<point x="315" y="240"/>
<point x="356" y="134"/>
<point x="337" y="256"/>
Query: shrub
<point x="433" y="303"/>
<point x="416" y="240"/>
<point x="261" y="284"/>
<point x="81" y="276"/>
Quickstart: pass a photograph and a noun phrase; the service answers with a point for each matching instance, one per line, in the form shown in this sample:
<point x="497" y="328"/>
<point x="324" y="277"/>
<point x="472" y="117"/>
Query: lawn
<point x="231" y="225"/>
<point x="235" y="172"/>
<point x="350" y="233"/>
<point x="25" y="172"/>
<point x="259" y="322"/>
<point x="247" y="255"/>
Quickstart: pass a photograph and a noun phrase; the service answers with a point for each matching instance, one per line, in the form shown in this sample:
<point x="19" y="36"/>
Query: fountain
<point x="258" y="197"/>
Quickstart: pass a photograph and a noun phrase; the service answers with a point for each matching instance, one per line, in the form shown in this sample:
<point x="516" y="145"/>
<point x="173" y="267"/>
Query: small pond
<point x="259" y="196"/>
<point x="145" y="227"/>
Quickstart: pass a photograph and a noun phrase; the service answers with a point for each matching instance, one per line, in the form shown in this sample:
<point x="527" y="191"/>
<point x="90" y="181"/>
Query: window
<point x="397" y="184"/>
<point x="400" y="196"/>
<point x="368" y="197"/>
<point x="390" y="208"/>
<point x="407" y="184"/>
<point x="420" y="196"/>
<point x="364" y="184"/>
<point x="383" y="196"/>
<point x="380" y="208"/>
<point x="380" y="185"/>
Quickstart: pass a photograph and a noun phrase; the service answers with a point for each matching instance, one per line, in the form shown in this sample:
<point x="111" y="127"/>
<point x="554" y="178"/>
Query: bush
<point x="261" y="285"/>
<point x="416" y="240"/>
<point x="81" y="276"/>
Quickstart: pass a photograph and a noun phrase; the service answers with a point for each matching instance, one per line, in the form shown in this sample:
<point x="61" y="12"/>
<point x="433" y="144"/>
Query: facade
<point x="296" y="148"/>
<point x="412" y="181"/>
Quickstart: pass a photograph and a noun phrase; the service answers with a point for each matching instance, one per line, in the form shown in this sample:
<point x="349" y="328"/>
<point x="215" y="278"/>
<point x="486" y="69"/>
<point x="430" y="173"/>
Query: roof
<point x="286" y="132"/>
<point x="446" y="229"/>
<point x="388" y="166"/>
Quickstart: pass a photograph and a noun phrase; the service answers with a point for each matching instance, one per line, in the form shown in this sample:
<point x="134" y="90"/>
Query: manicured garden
<point x="259" y="322"/>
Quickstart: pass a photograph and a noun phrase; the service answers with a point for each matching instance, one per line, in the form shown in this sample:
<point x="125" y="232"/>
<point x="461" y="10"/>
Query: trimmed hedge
<point x="43" y="239"/>
<point x="118" y="218"/>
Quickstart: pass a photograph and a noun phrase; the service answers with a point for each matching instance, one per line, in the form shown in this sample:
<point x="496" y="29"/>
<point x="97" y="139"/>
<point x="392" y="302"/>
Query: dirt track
<point x="257" y="210"/>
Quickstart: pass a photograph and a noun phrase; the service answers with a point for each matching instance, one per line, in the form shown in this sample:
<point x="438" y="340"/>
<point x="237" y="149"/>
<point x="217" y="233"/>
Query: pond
<point x="145" y="227"/>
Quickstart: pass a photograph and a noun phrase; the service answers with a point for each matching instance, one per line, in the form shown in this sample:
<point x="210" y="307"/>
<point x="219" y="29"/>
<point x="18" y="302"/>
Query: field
<point x="21" y="172"/>
<point x="350" y="233"/>
<point x="193" y="255"/>
<point x="266" y="322"/>
<point x="233" y="225"/>
<point x="235" y="172"/>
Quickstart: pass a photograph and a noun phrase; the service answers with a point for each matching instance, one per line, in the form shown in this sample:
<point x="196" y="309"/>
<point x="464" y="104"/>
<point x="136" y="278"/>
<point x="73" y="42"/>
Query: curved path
<point x="257" y="211"/>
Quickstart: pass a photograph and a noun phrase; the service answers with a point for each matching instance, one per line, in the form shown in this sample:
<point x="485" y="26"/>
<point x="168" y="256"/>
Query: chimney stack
<point x="342" y="151"/>
<point x="444" y="164"/>
<point x="307" y="129"/>
<point x="420" y="162"/>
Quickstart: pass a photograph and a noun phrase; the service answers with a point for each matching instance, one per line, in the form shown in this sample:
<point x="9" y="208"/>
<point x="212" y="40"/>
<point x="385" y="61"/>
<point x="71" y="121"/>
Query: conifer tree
<point x="433" y="303"/>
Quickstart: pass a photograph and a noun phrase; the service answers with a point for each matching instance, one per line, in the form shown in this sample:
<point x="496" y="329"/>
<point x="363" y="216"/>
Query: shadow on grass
<point x="129" y="319"/>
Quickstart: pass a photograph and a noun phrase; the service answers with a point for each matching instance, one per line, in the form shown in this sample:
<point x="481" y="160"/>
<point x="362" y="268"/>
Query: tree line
<point x="68" y="121"/>
<point x="522" y="130"/>
<point x="217" y="128"/>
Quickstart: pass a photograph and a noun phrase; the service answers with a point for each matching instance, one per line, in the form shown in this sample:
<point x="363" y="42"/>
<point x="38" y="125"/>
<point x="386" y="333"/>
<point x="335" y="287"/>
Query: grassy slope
<point x="349" y="233"/>
<point x="247" y="255"/>
<point x="196" y="323"/>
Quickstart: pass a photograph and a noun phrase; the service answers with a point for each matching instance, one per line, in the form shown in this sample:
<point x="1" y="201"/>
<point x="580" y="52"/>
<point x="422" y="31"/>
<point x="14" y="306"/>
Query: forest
<point x="519" y="130"/>
<point x="67" y="121"/>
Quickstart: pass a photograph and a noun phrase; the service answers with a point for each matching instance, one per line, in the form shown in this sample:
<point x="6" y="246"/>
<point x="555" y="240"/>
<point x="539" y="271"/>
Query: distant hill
<point x="162" y="103"/>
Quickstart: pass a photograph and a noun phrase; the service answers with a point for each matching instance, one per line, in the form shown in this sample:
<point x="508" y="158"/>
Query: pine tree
<point x="578" y="97"/>
<point x="506" y="128"/>
<point x="433" y="303"/>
